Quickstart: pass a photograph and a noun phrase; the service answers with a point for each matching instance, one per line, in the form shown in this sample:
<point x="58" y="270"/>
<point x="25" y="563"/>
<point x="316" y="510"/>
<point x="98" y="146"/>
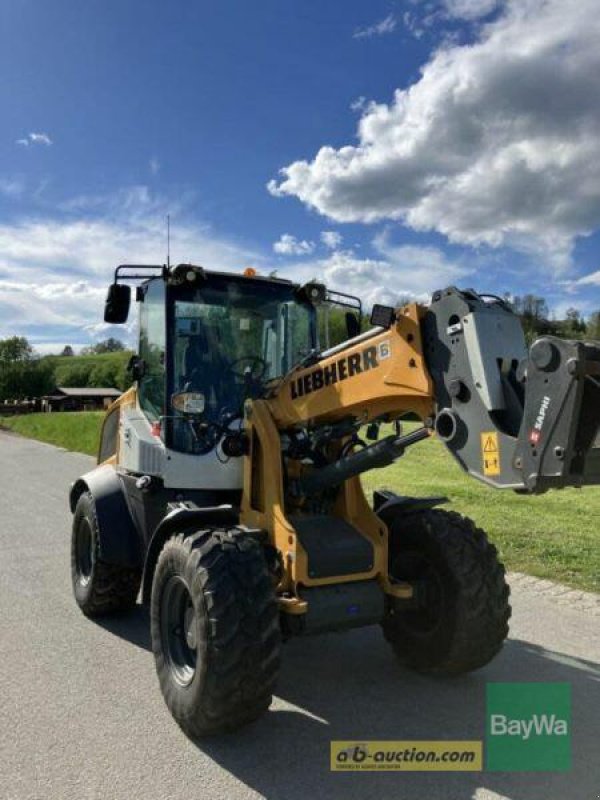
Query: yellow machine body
<point x="382" y="374"/>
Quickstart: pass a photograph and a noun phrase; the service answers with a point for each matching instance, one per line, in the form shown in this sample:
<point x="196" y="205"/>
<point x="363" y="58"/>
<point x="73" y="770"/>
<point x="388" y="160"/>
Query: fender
<point x="182" y="519"/>
<point x="119" y="541"/>
<point x="385" y="503"/>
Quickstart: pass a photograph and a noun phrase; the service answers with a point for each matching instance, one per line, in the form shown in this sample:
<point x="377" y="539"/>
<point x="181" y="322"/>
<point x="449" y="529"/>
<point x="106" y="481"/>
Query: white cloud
<point x="40" y="138"/>
<point x="497" y="142"/>
<point x="331" y="239"/>
<point x="385" y="25"/>
<point x="288" y="245"/>
<point x="360" y="104"/>
<point x="54" y="270"/>
<point x="416" y="24"/>
<point x="470" y="9"/>
<point x="593" y="279"/>
<point x="154" y="165"/>
<point x="35" y="138"/>
<point x="432" y="17"/>
<point x="62" y="304"/>
<point x="397" y="272"/>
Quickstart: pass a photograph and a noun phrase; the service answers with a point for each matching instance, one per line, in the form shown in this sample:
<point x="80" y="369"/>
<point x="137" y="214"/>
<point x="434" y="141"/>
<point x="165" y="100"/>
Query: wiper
<point x="312" y="357"/>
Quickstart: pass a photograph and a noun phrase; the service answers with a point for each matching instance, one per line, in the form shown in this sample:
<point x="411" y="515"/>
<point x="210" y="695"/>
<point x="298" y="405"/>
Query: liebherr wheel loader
<point x="228" y="491"/>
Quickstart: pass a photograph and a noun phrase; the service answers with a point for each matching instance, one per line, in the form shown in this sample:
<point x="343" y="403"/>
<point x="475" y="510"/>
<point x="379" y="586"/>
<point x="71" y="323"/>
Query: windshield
<point x="231" y="337"/>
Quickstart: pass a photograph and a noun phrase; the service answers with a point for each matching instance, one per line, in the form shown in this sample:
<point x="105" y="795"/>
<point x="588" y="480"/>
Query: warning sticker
<point x="490" y="453"/>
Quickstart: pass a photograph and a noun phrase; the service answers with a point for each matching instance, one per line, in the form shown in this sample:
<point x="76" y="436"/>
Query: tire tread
<point x="242" y="640"/>
<point x="482" y="610"/>
<point x="113" y="588"/>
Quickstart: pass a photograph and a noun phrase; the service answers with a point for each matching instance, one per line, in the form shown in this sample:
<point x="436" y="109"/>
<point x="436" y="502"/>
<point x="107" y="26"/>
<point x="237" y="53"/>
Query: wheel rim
<point x="84" y="554"/>
<point x="412" y="566"/>
<point x="178" y="626"/>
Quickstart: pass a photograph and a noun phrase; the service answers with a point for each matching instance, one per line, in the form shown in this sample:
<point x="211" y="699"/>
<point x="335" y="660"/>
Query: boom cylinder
<point x="379" y="454"/>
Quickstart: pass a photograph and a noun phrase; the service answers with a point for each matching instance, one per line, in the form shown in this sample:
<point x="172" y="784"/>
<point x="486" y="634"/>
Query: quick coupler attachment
<point x="559" y="443"/>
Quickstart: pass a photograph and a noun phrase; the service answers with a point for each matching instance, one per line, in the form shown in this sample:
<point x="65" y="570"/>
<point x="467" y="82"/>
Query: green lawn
<point x="74" y="430"/>
<point x="553" y="536"/>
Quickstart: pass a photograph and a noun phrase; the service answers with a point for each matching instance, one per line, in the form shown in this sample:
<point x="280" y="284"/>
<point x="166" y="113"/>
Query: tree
<point x="74" y="374"/>
<point x="593" y="326"/>
<point x="67" y="351"/>
<point x="533" y="311"/>
<point x="110" y="345"/>
<point x="21" y="375"/>
<point x="15" y="349"/>
<point x="573" y="326"/>
<point x="105" y="375"/>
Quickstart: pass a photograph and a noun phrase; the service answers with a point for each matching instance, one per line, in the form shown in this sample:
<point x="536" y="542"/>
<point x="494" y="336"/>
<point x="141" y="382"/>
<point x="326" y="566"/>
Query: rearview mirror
<point x="116" y="308"/>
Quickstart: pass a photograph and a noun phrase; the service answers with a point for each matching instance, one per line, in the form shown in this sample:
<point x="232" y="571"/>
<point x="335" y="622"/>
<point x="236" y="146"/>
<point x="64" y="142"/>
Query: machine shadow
<point x="133" y="627"/>
<point x="350" y="687"/>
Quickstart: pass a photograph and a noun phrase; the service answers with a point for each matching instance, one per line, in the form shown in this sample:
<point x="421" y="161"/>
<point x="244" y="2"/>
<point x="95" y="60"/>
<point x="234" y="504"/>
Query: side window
<point x="152" y="350"/>
<point x="298" y="340"/>
<point x="108" y="438"/>
<point x="332" y="325"/>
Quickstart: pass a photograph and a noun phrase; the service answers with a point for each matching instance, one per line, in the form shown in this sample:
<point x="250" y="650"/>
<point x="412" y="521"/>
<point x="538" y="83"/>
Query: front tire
<point x="459" y="619"/>
<point x="99" y="588"/>
<point x="215" y="630"/>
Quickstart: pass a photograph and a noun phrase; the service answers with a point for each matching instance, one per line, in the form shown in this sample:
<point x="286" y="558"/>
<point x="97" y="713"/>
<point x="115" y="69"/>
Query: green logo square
<point x="528" y="727"/>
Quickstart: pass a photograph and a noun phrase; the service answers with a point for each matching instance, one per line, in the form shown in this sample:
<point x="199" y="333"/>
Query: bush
<point x="107" y="370"/>
<point x="22" y="379"/>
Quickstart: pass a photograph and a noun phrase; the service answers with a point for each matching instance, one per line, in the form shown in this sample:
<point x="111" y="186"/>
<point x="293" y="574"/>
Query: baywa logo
<point x="528" y="726"/>
<point x="546" y="724"/>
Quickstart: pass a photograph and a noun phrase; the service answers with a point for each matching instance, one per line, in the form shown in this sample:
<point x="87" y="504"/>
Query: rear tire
<point x="99" y="588"/>
<point x="461" y="617"/>
<point x="215" y="630"/>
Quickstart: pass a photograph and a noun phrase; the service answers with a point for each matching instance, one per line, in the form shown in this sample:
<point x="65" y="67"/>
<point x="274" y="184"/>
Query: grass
<point x="552" y="536"/>
<point x="74" y="430"/>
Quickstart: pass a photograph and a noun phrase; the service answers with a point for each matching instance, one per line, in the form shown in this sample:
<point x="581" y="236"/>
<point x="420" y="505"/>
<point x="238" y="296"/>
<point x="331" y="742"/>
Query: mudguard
<point x="119" y="541"/>
<point x="385" y="504"/>
<point x="181" y="519"/>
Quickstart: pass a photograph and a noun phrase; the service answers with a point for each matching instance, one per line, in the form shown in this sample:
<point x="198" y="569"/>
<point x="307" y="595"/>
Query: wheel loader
<point x="228" y="486"/>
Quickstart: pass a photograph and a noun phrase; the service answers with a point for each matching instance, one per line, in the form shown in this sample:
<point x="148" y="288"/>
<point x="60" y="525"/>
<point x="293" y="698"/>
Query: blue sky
<point x="390" y="148"/>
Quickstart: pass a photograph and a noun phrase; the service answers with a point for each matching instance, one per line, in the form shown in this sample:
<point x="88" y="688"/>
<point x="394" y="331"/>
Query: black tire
<point x="99" y="588"/>
<point x="215" y="630"/>
<point x="460" y="619"/>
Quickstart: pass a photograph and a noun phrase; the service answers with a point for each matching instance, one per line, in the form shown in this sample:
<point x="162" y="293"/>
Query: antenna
<point x="168" y="241"/>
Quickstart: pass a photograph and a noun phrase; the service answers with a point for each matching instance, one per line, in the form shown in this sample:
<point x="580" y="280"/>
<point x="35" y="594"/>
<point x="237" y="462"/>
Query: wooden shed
<point x="67" y="398"/>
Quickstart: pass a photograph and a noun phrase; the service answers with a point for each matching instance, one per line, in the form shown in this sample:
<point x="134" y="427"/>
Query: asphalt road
<point x="82" y="716"/>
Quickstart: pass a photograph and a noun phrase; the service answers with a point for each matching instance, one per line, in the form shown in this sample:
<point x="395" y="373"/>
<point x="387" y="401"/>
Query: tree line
<point x="537" y="321"/>
<point x="23" y="374"/>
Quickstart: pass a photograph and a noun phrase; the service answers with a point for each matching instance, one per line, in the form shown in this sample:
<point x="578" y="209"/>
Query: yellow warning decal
<point x="490" y="453"/>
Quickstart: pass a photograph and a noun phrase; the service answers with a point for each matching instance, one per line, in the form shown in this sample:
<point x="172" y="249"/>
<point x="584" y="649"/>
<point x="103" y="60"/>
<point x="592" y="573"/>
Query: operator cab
<point x="230" y="337"/>
<point x="207" y="342"/>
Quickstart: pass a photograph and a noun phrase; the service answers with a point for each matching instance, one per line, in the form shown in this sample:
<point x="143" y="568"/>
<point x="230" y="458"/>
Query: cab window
<point x="151" y="386"/>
